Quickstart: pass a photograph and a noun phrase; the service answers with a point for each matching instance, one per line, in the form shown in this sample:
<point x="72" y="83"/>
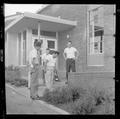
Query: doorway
<point x="47" y="42"/>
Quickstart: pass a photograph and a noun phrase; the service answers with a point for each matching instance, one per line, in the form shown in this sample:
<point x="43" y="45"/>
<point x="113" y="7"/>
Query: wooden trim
<point x="12" y="17"/>
<point x="50" y="19"/>
<point x="13" y="23"/>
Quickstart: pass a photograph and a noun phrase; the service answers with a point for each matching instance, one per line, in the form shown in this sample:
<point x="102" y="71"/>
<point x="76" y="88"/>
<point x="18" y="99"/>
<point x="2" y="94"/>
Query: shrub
<point x="11" y="75"/>
<point x="58" y="96"/>
<point x="76" y="92"/>
<point x="77" y="100"/>
<point x="12" y="68"/>
<point x="67" y="106"/>
<point x="63" y="95"/>
<point x="17" y="82"/>
<point x="84" y="105"/>
<point x="101" y="95"/>
<point x="21" y="82"/>
<point x="106" y="108"/>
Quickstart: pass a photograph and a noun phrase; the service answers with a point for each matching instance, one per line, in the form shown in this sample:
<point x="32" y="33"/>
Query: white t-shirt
<point x="45" y="56"/>
<point x="51" y="61"/>
<point x="33" y="54"/>
<point x="70" y="52"/>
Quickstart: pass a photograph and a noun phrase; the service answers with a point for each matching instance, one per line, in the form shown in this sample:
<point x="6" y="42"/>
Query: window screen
<point x="51" y="44"/>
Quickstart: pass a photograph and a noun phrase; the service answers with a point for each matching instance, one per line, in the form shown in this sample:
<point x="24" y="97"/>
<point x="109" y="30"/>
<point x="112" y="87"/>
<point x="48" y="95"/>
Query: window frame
<point x="91" y="45"/>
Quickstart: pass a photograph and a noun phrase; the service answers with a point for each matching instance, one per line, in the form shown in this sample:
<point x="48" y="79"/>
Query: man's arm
<point x="76" y="54"/>
<point x="64" y="55"/>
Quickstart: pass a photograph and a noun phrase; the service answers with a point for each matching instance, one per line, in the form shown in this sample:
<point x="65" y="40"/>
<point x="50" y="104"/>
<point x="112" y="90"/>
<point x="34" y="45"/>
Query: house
<point x="91" y="28"/>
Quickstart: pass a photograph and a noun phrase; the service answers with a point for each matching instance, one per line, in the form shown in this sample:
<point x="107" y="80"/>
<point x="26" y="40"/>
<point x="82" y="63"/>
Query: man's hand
<point x="64" y="55"/>
<point x="35" y="61"/>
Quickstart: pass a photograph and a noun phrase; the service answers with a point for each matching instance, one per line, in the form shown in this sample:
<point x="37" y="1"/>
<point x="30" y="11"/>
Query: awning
<point x="47" y="23"/>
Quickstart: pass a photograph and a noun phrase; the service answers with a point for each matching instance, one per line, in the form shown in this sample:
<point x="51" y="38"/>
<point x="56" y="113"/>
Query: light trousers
<point x="29" y="75"/>
<point x="49" y="75"/>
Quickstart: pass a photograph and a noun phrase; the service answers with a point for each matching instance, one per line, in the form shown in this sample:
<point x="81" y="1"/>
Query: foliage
<point x="78" y="100"/>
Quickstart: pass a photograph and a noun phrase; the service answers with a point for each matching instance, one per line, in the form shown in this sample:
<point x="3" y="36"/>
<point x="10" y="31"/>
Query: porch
<point x="22" y="31"/>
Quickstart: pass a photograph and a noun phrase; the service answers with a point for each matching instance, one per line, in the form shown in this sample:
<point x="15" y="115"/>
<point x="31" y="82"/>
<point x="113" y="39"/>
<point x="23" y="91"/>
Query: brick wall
<point x="97" y="79"/>
<point x="78" y="35"/>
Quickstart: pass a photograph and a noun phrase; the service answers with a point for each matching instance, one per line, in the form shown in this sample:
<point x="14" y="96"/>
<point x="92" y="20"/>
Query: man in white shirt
<point x="35" y="71"/>
<point x="44" y="57"/>
<point x="50" y="68"/>
<point x="70" y="54"/>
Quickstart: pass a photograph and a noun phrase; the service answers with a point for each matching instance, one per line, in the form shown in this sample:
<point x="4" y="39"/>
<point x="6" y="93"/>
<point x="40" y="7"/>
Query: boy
<point x="35" y="70"/>
<point x="44" y="57"/>
<point x="50" y="68"/>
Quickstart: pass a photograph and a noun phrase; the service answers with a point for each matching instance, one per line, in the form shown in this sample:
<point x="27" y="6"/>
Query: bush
<point x="101" y="96"/>
<point x="85" y="105"/>
<point x="106" y="108"/>
<point x="77" y="100"/>
<point x="12" y="68"/>
<point x="11" y="75"/>
<point x="76" y="92"/>
<point x="63" y="95"/>
<point x="18" y="82"/>
<point x="58" y="96"/>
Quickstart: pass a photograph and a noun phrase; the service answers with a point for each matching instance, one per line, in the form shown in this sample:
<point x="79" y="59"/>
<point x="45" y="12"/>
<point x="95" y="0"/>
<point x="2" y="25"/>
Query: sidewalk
<point x="38" y="106"/>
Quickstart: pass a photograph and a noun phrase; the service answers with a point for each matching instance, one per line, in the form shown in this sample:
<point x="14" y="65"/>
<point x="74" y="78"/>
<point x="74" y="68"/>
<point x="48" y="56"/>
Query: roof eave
<point x="50" y="18"/>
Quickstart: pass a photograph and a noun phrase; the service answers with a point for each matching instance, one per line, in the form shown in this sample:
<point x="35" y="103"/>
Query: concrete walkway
<point x="18" y="102"/>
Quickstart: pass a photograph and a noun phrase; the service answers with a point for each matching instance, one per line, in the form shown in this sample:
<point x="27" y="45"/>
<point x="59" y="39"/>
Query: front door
<point x="47" y="43"/>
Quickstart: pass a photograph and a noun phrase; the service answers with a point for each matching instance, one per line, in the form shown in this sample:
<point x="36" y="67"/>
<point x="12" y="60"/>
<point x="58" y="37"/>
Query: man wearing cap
<point x="70" y="54"/>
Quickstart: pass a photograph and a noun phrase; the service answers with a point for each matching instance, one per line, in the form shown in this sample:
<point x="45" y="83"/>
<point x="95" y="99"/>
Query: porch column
<point x="39" y="31"/>
<point x="17" y="50"/>
<point x="57" y="48"/>
<point x="39" y="40"/>
<point x="22" y="48"/>
<point x="28" y="41"/>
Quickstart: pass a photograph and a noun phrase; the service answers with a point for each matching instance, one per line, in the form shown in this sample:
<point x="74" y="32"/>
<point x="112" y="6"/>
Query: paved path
<point x="19" y="103"/>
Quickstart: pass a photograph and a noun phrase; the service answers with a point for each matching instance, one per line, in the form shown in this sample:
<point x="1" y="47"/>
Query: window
<point x="96" y="30"/>
<point x="44" y="33"/>
<point x="51" y="44"/>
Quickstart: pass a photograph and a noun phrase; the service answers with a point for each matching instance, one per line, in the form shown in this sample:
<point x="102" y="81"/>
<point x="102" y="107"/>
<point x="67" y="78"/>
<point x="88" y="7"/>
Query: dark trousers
<point x="70" y="65"/>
